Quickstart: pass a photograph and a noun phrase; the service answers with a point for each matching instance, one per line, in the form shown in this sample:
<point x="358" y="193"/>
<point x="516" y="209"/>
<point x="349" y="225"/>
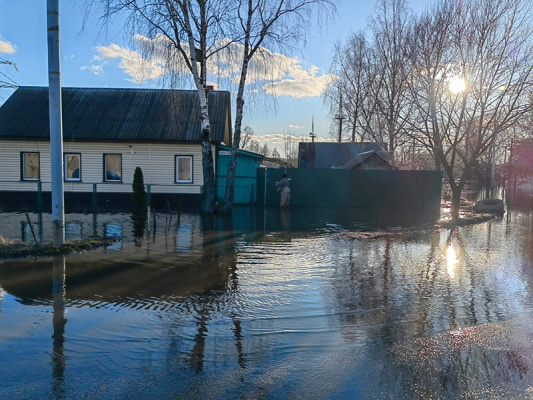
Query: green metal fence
<point x="353" y="188"/>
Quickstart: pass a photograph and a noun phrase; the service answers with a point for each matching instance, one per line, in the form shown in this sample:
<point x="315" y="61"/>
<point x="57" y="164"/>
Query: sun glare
<point x="457" y="85"/>
<point x="451" y="261"/>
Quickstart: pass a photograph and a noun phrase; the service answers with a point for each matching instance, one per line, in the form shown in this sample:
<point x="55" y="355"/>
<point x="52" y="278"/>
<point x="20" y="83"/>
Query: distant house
<point x="348" y="155"/>
<point x="107" y="133"/>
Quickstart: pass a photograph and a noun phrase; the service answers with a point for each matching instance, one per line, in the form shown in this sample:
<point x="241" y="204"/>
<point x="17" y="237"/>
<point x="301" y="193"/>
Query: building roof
<point x="335" y="155"/>
<point x="241" y="152"/>
<point x="363" y="157"/>
<point x="95" y="114"/>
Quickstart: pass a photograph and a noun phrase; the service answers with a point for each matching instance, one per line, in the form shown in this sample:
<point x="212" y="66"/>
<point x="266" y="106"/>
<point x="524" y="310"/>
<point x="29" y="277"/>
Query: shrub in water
<point x="139" y="194"/>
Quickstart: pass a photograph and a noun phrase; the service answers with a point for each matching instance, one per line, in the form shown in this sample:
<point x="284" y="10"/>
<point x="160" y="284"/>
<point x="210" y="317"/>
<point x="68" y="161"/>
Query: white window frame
<point x="105" y="167"/>
<point x="176" y="169"/>
<point x="23" y="166"/>
<point x="65" y="155"/>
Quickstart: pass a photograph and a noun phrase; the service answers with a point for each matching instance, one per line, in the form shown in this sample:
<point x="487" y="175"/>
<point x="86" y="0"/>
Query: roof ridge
<point x="119" y="88"/>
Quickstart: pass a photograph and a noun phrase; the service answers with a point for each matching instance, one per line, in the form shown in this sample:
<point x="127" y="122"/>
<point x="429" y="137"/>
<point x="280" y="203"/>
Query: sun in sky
<point x="457" y="84"/>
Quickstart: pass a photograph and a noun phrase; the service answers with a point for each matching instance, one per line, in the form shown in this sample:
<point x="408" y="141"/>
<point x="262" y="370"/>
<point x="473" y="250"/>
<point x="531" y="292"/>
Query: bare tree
<point x="352" y="65"/>
<point x="373" y="78"/>
<point x="392" y="106"/>
<point x="264" y="150"/>
<point x="247" y="137"/>
<point x="471" y="78"/>
<point x="290" y="148"/>
<point x="260" y="24"/>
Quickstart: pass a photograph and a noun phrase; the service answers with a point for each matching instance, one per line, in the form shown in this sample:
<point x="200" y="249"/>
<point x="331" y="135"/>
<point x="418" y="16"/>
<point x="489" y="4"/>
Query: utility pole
<point x="56" y="124"/>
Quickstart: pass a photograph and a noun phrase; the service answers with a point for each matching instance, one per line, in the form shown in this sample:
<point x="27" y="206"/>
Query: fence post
<point x="95" y="205"/>
<point x="40" y="197"/>
<point x="252" y="192"/>
<point x="148" y="195"/>
<point x="265" y="189"/>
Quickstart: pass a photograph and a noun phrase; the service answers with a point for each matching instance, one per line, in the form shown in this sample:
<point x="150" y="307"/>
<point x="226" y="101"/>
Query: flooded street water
<point x="293" y="304"/>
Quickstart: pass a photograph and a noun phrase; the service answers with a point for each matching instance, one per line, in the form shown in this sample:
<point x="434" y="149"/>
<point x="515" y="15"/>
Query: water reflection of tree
<point x="139" y="218"/>
<point x="218" y="252"/>
<point x="395" y="288"/>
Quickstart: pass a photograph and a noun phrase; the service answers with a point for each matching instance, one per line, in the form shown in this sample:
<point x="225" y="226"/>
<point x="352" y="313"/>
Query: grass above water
<point x="9" y="249"/>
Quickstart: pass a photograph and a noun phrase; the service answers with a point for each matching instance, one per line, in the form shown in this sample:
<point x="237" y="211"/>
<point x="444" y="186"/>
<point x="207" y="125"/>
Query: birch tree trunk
<point x="229" y="194"/>
<point x="207" y="200"/>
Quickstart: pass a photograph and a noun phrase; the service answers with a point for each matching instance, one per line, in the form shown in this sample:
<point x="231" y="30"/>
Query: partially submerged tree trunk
<point x="261" y="20"/>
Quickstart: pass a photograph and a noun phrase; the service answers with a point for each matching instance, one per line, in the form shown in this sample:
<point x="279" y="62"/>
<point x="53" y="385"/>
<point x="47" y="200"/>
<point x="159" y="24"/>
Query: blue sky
<point x="94" y="58"/>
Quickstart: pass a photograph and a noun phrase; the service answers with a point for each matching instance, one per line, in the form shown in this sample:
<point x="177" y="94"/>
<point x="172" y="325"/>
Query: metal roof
<point x="154" y="115"/>
<point x="334" y="155"/>
<point x="241" y="152"/>
<point x="362" y="157"/>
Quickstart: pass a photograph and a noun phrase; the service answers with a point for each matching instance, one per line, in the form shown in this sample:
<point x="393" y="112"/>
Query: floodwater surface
<point x="279" y="305"/>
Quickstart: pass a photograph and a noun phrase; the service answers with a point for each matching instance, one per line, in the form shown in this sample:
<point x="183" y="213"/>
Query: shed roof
<point x="102" y="114"/>
<point x="363" y="157"/>
<point x="242" y="152"/>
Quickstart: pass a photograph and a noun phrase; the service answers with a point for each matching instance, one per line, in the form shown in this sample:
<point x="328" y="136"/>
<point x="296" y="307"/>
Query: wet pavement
<point x="292" y="304"/>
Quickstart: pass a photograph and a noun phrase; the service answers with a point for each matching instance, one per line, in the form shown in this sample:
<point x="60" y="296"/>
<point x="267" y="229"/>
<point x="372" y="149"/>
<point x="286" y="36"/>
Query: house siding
<point x="156" y="161"/>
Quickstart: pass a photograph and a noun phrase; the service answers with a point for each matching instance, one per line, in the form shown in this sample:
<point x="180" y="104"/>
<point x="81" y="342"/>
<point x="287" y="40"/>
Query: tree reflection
<point x="392" y="292"/>
<point x="139" y="218"/>
<point x="218" y="255"/>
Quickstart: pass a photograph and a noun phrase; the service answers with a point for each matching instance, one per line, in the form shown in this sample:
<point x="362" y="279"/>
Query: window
<point x="183" y="169"/>
<point x="112" y="167"/>
<point x="72" y="167"/>
<point x="30" y="168"/>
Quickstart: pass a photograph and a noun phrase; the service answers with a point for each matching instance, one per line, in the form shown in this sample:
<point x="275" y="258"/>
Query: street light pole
<point x="56" y="125"/>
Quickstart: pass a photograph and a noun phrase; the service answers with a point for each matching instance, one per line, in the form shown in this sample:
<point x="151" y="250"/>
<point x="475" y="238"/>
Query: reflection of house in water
<point x="73" y="231"/>
<point x="113" y="230"/>
<point x="27" y="235"/>
<point x="129" y="275"/>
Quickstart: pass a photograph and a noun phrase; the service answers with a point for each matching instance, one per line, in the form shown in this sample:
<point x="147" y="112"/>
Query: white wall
<point x="156" y="160"/>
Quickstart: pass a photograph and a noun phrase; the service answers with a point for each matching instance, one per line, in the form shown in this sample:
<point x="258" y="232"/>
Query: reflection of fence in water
<point x="184" y="238"/>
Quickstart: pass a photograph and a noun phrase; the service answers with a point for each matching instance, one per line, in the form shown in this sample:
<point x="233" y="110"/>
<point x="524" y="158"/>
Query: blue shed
<point x="245" y="175"/>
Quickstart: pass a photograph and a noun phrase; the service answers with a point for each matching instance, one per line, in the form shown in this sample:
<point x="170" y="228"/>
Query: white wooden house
<point x="107" y="133"/>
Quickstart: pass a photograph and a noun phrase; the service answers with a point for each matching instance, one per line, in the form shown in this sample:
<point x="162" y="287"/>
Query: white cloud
<point x="277" y="73"/>
<point x="301" y="84"/>
<point x="131" y="62"/>
<point x="296" y="126"/>
<point x="95" y="69"/>
<point x="281" y="138"/>
<point x="7" y="47"/>
<point x="273" y="73"/>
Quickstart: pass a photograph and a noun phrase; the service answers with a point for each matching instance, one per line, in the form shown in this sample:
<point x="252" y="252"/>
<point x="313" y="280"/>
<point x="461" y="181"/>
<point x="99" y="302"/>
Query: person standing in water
<point x="285" y="189"/>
